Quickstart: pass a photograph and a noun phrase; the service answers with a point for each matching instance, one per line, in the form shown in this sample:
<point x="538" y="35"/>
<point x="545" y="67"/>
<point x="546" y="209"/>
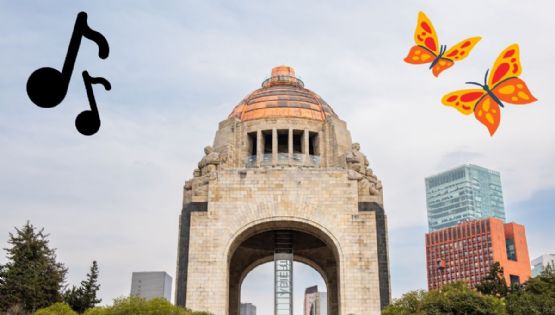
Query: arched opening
<point x="312" y="246"/>
<point x="256" y="288"/>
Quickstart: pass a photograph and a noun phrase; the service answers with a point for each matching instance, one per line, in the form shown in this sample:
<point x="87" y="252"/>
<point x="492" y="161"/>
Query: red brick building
<point x="468" y="250"/>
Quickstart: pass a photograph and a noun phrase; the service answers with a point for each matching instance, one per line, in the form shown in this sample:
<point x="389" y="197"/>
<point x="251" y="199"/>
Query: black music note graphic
<point x="47" y="87"/>
<point x="88" y="121"/>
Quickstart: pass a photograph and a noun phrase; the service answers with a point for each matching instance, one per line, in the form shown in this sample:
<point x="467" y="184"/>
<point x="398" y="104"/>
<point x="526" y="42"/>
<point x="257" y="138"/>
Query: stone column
<point x="290" y="145"/>
<point x="259" y="148"/>
<point x="318" y="144"/>
<point x="305" y="147"/>
<point x="274" y="146"/>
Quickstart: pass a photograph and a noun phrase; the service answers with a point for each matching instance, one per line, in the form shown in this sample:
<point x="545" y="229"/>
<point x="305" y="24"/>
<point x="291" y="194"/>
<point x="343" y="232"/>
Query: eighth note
<point x="88" y="121"/>
<point x="47" y="87"/>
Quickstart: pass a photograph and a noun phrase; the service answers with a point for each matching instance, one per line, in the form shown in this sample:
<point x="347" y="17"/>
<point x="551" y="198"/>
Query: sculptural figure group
<point x="357" y="169"/>
<point x="207" y="171"/>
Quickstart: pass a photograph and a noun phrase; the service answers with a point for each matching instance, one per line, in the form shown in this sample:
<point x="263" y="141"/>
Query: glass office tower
<point x="468" y="192"/>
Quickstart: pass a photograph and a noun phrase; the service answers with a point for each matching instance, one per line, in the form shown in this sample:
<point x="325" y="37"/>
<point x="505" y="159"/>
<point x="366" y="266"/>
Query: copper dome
<point x="282" y="95"/>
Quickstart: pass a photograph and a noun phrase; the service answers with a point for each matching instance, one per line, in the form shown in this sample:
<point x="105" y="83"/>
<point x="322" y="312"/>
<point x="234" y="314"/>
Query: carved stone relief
<point x="357" y="169"/>
<point x="207" y="171"/>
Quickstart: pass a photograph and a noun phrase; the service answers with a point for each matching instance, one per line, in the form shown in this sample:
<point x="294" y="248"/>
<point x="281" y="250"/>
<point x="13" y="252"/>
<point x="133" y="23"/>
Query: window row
<point x="288" y="141"/>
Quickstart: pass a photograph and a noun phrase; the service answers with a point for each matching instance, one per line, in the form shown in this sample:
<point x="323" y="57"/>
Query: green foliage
<point x="73" y="298"/>
<point x="96" y="311"/>
<point x="410" y="303"/>
<point x="56" y="309"/>
<point x="537" y="296"/>
<point x="31" y="278"/>
<point x="454" y="299"/>
<point x="136" y="305"/>
<point x="457" y="298"/>
<point x="494" y="283"/>
<point x="84" y="297"/>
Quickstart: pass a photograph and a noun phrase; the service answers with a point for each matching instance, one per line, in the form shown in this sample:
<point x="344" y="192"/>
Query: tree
<point x="90" y="286"/>
<point x="84" y="297"/>
<point x="135" y="305"/>
<point x="56" y="309"/>
<point x="494" y="283"/>
<point x="459" y="299"/>
<point x="73" y="298"/>
<point x="536" y="296"/>
<point x="452" y="299"/>
<point x="31" y="277"/>
<point x="410" y="303"/>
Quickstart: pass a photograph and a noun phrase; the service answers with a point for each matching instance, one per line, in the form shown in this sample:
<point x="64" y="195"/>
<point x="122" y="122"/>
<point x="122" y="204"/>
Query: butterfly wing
<point x="506" y="65"/>
<point x="487" y="112"/>
<point x="462" y="49"/>
<point x="442" y="64"/>
<point x="425" y="34"/>
<point x="456" y="53"/>
<point x="514" y="91"/>
<point x="463" y="100"/>
<point x="419" y="55"/>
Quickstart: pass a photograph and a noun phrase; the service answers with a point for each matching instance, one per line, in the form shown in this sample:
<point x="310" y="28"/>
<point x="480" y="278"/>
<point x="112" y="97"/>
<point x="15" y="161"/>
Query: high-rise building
<point x="151" y="284"/>
<point x="467" y="251"/>
<point x="468" y="192"/>
<point x="315" y="303"/>
<point x="248" y="309"/>
<point x="539" y="264"/>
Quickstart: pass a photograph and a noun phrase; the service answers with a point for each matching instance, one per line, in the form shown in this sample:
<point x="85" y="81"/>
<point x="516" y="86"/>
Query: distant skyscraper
<point x="539" y="264"/>
<point x="315" y="303"/>
<point x="468" y="250"/>
<point x="468" y="192"/>
<point x="248" y="309"/>
<point x="153" y="284"/>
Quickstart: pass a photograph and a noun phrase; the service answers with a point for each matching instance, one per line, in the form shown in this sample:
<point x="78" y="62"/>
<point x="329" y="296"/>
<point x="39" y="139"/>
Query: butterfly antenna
<point x="475" y="83"/>
<point x="486" y="78"/>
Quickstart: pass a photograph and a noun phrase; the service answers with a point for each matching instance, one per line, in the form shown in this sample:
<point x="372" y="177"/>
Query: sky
<point x="177" y="68"/>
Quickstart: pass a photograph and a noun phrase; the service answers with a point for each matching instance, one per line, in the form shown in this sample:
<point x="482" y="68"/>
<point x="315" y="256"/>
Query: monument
<point x="283" y="181"/>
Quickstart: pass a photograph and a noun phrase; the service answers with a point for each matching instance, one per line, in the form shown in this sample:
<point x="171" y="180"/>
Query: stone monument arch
<point x="283" y="179"/>
<point x="313" y="245"/>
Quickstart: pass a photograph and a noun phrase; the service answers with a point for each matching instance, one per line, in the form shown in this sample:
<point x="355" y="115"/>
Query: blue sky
<point x="177" y="68"/>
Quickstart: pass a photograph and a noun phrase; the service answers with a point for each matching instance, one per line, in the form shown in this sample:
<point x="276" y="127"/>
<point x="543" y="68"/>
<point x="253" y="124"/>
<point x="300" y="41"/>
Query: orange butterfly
<point x="504" y="85"/>
<point x="427" y="50"/>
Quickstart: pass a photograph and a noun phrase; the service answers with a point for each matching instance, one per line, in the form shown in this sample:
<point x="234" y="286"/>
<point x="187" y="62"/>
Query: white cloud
<point x="178" y="68"/>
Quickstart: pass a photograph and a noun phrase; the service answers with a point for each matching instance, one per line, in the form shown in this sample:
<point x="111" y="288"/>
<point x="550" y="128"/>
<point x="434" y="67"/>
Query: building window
<point x="511" y="252"/>
<point x="267" y="137"/>
<point x="283" y="141"/>
<point x="252" y="143"/>
<point x="515" y="280"/>
<point x="297" y="141"/>
<point x="313" y="143"/>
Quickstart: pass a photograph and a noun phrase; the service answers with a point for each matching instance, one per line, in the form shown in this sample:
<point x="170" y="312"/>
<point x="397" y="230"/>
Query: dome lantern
<point x="282" y="95"/>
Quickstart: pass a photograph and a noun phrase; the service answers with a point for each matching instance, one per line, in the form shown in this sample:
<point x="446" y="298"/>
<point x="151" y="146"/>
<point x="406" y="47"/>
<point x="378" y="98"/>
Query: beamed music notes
<point x="47" y="87"/>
